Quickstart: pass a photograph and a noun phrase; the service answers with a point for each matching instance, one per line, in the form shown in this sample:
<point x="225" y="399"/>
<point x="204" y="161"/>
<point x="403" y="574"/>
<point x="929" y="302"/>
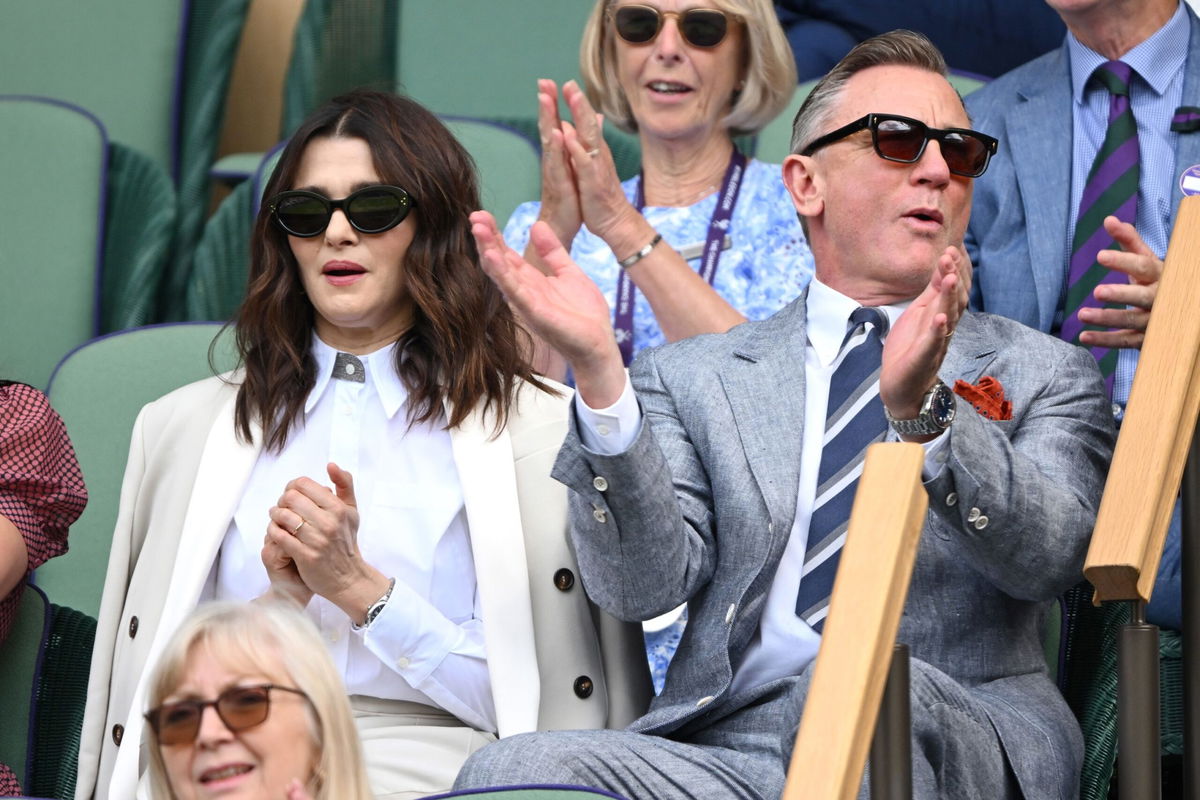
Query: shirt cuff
<point x="413" y="638"/>
<point x="610" y="431"/>
<point x="935" y="453"/>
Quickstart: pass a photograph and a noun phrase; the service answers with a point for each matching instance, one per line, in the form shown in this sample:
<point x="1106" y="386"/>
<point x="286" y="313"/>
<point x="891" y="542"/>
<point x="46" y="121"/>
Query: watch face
<point x="942" y="406"/>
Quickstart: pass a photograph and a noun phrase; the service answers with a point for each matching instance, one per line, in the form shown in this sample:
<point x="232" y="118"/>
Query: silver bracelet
<point x="626" y="263"/>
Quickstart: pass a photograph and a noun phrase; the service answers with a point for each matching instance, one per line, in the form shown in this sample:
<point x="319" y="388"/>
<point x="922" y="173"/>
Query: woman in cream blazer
<point x="383" y="281"/>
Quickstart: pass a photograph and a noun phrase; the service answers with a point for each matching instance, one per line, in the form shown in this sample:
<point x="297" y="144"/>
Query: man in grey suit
<point x="1052" y="115"/>
<point x="701" y="477"/>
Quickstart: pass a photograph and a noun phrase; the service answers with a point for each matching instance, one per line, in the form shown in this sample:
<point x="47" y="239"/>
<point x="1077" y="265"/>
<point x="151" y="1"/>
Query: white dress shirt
<point x="784" y="644"/>
<point x="427" y="644"/>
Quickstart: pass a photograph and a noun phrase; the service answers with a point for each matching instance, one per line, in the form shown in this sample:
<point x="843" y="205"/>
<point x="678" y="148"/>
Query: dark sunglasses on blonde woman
<point x="700" y="27"/>
<point x="239" y="707"/>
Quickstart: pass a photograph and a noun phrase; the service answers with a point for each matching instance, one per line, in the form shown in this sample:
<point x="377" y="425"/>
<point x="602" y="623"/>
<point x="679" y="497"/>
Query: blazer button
<point x="583" y="687"/>
<point x="952" y="499"/>
<point x="599" y="514"/>
<point x="118" y="733"/>
<point x="600" y="483"/>
<point x="981" y="522"/>
<point x="564" y="579"/>
<point x="703" y="701"/>
<point x="973" y="515"/>
<point x="730" y="613"/>
<point x="133" y="626"/>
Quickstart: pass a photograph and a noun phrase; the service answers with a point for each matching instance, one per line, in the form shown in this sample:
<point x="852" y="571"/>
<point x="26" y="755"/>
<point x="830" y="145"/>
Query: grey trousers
<point x="741" y="751"/>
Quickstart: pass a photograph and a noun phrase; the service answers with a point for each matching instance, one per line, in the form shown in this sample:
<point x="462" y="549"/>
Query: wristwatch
<point x="376" y="608"/>
<point x="937" y="412"/>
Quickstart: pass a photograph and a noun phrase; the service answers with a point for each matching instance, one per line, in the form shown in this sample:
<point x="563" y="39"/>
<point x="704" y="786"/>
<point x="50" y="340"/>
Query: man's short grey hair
<point x="896" y="48"/>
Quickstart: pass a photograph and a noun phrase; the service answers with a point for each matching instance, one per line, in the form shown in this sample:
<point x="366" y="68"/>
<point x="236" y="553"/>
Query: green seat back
<point x="482" y="60"/>
<point x="509" y="166"/>
<point x="119" y="60"/>
<point x="53" y="163"/>
<point x="19" y="655"/>
<point x="98" y="390"/>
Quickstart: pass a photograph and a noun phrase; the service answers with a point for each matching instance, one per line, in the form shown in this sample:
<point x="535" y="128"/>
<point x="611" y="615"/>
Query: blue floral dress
<point x="766" y="266"/>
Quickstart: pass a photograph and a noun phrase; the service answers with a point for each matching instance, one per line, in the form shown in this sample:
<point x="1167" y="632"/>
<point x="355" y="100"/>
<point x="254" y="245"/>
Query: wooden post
<point x="856" y="647"/>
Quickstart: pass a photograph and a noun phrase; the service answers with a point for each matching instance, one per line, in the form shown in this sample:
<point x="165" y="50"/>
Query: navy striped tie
<point x="1111" y="188"/>
<point x="853" y="421"/>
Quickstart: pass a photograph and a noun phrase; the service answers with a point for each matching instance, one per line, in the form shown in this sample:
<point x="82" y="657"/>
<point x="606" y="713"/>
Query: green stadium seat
<point x="162" y="103"/>
<point x="98" y="390"/>
<point x="54" y="167"/>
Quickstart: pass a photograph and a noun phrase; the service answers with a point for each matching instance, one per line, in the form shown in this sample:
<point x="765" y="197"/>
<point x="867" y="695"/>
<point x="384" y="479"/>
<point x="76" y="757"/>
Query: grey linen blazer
<point x="700" y="506"/>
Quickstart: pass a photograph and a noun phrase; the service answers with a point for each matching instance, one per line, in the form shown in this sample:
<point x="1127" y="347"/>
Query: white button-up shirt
<point x="427" y="644"/>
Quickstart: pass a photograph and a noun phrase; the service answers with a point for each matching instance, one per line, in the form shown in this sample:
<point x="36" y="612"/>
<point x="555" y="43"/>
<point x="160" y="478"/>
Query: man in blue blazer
<point x="1050" y="122"/>
<point x="695" y="477"/>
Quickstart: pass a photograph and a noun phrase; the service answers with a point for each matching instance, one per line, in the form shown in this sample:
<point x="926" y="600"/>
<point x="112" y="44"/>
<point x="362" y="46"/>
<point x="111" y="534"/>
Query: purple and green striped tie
<point x="1111" y="189"/>
<point x="854" y="421"/>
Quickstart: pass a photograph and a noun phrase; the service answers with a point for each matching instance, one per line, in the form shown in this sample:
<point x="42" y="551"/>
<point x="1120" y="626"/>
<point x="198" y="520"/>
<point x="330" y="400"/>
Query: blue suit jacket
<point x="700" y="508"/>
<point x="1017" y="237"/>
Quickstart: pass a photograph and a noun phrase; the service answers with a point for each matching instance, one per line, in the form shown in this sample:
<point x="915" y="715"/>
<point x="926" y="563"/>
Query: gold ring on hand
<point x="296" y="529"/>
<point x="595" y="151"/>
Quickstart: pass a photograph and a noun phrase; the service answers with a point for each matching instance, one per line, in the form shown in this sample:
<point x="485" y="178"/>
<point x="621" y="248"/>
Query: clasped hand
<point x="311" y="546"/>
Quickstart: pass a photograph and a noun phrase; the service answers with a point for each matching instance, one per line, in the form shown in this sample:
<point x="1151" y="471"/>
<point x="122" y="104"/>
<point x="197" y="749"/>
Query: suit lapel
<point x="1039" y="139"/>
<point x="1187" y="145"/>
<point x="764" y="384"/>
<point x="489" y="483"/>
<point x="224" y="468"/>
<point x="971" y="352"/>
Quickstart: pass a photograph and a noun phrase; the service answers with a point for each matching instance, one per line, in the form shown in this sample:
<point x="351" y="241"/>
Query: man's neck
<point x="1112" y="30"/>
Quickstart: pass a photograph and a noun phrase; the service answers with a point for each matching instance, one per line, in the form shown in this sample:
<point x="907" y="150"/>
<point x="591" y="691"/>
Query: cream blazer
<point x="556" y="662"/>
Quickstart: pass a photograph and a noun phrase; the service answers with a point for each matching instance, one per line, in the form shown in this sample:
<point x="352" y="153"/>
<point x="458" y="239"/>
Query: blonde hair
<point x="767" y="85"/>
<point x="267" y="636"/>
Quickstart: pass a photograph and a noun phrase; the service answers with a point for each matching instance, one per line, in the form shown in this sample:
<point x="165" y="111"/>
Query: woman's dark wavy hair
<point x="464" y="347"/>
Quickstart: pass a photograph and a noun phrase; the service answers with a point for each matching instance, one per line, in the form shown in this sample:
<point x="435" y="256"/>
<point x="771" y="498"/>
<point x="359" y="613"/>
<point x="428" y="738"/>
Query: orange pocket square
<point x="987" y="396"/>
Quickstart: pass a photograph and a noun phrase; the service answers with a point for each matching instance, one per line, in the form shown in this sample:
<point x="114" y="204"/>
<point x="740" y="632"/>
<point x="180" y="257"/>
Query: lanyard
<point x="718" y="227"/>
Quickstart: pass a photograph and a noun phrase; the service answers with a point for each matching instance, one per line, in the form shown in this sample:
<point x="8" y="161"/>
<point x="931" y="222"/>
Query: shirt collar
<point x="1157" y="60"/>
<point x="380" y="367"/>
<point x="828" y="313"/>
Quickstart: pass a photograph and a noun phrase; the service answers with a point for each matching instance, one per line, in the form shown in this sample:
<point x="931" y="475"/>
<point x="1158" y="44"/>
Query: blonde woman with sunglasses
<point x="704" y="238"/>
<point x="246" y="703"/>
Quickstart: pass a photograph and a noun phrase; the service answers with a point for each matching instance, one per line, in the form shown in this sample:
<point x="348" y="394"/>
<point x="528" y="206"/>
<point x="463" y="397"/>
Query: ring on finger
<point x="296" y="529"/>
<point x="595" y="151"/>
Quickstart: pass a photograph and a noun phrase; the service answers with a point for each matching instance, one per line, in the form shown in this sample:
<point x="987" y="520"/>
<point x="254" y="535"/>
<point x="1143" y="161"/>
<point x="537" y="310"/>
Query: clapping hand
<point x="1144" y="270"/>
<point x="917" y="343"/>
<point x="559" y="303"/>
<point x="317" y="528"/>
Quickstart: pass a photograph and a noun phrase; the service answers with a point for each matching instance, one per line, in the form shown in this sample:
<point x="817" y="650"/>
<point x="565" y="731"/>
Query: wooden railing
<point x="864" y="613"/>
<point x="1135" y="512"/>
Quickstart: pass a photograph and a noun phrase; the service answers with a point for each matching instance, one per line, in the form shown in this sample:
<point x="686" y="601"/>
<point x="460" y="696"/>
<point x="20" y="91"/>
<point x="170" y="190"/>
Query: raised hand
<point x="560" y="197"/>
<point x="917" y="343"/>
<point x="318" y="529"/>
<point x="602" y="201"/>
<point x="1144" y="270"/>
<point x="561" y="305"/>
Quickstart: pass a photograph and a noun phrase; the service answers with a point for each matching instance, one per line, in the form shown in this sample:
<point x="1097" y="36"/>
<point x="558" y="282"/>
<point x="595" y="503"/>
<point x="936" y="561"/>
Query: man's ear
<point x="805" y="183"/>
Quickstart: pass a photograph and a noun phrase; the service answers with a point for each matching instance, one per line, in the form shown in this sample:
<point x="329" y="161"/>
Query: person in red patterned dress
<point x="41" y="494"/>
